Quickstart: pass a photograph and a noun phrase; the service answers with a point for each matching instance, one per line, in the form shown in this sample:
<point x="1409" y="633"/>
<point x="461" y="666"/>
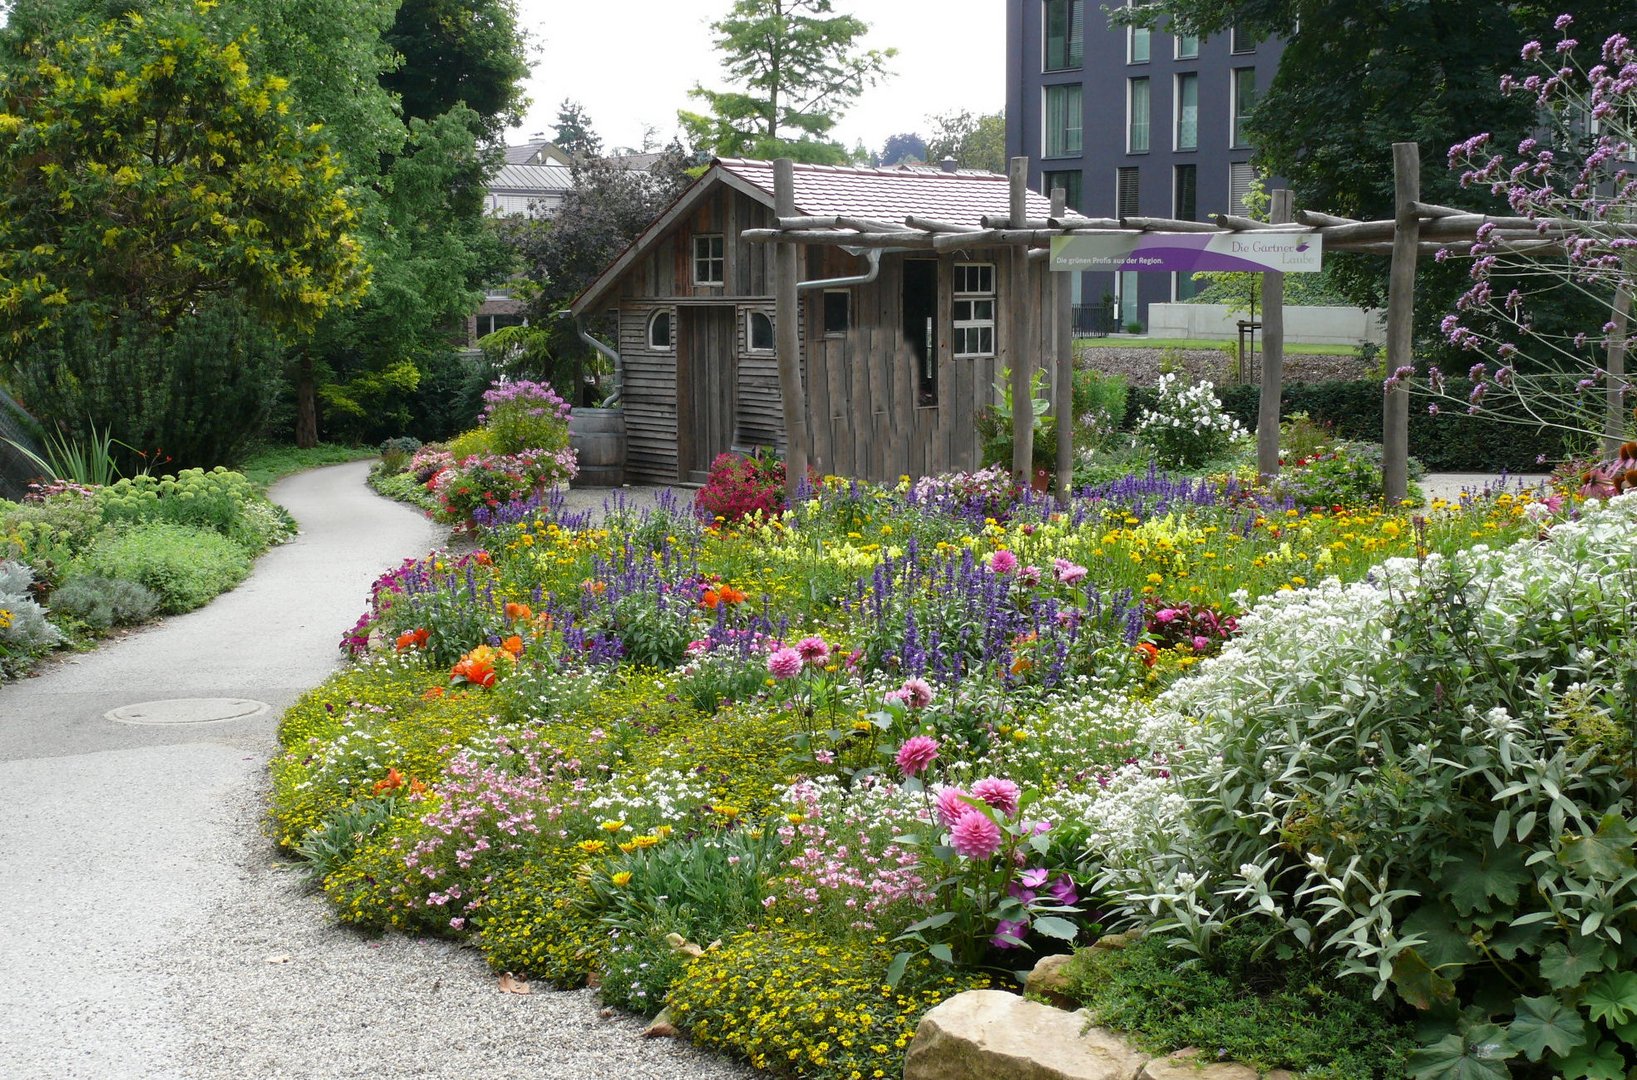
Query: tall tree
<point x="574" y="134"/>
<point x="798" y="66"/>
<point x="144" y="167"/>
<point x="975" y="142"/>
<point x="459" y="52"/>
<point x="907" y="146"/>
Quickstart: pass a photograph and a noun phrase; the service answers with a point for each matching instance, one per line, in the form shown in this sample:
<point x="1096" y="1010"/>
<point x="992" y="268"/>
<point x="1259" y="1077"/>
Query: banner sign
<point x="1189" y="253"/>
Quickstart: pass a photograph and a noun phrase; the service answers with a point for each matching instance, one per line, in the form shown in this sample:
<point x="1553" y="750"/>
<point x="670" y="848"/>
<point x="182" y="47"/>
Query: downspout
<point x="866" y="278"/>
<point x="614" y="357"/>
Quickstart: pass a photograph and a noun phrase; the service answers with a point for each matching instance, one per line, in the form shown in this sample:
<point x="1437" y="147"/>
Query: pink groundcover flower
<point x="916" y="754"/>
<point x="785" y="663"/>
<point x="975" y="835"/>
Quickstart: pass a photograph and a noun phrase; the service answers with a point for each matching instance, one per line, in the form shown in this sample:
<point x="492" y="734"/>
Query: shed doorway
<point x="706" y="374"/>
<point x="921" y="325"/>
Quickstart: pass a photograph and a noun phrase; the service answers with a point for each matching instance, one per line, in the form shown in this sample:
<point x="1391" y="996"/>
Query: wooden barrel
<point x="598" y="439"/>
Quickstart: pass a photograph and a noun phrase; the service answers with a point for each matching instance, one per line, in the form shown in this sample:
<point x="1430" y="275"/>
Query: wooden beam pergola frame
<point x="1416" y="228"/>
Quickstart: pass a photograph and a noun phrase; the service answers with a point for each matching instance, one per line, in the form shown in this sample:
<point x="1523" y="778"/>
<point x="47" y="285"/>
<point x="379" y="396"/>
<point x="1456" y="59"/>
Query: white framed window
<point x="1062" y="126"/>
<point x="1187" y="99"/>
<point x="1187" y="46"/>
<point x="1065" y="35"/>
<point x="659" y="330"/>
<point x="1138" y="113"/>
<point x="1241" y="175"/>
<point x="1138" y="43"/>
<point x="1239" y="41"/>
<point x="709" y="263"/>
<point x="1242" y="102"/>
<point x="974" y="309"/>
<point x="758" y="332"/>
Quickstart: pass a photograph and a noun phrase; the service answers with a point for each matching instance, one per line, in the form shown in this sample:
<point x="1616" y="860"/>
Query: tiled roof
<point x="960" y="198"/>
<point x="528" y="179"/>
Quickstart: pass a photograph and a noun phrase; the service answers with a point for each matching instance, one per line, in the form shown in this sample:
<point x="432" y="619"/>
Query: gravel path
<point x="154" y="932"/>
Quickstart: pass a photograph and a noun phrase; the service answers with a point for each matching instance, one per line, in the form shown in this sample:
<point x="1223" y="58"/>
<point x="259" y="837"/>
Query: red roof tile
<point x="960" y="198"/>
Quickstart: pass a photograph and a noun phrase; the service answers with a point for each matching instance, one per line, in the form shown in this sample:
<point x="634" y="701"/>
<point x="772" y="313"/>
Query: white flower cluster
<point x="1187" y="424"/>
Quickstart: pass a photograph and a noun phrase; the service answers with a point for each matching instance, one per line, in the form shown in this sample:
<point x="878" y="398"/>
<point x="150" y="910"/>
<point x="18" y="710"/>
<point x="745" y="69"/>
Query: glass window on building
<point x="708" y="261"/>
<point x="1239" y="41"/>
<point x="1062" y="128"/>
<point x="1125" y="192"/>
<point x="1188" y="112"/>
<point x="1244" y="100"/>
<point x="1069" y="182"/>
<point x="1137" y="116"/>
<point x="1125" y="293"/>
<point x="1187" y="46"/>
<point x="1185" y="204"/>
<point x="1065" y="34"/>
<point x="974" y="309"/>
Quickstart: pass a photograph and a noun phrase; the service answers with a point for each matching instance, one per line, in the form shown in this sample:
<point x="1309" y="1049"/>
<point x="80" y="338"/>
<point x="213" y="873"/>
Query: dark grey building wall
<point x="1103" y="77"/>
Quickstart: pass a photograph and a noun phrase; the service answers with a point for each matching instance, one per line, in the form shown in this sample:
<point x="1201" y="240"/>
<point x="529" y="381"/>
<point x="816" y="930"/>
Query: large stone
<point x="1189" y="1067"/>
<point x="992" y="1035"/>
<point x="1048" y="980"/>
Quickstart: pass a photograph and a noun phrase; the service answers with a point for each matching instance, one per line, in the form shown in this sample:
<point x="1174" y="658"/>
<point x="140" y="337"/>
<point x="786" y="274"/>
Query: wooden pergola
<point x="1417" y="228"/>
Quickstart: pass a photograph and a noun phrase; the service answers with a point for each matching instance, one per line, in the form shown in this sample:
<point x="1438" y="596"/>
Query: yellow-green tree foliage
<point x="144" y="167"/>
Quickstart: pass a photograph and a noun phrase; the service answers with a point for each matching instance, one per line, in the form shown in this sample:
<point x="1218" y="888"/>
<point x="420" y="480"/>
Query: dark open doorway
<point x="921" y="325"/>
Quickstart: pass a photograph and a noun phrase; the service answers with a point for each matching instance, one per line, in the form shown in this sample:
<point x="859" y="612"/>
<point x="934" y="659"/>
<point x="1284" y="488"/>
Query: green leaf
<point x="931" y="922"/>
<point x="1565" y="969"/>
<point x="942" y="952"/>
<point x="1613" y="998"/>
<point x="1442" y="944"/>
<point x="1053" y="927"/>
<point x="1606" y="854"/>
<point x="1455" y="1057"/>
<point x="1601" y="1062"/>
<point x="1417" y="983"/>
<point x="895" y="970"/>
<point x="1544" y="1023"/>
<point x="1476" y="879"/>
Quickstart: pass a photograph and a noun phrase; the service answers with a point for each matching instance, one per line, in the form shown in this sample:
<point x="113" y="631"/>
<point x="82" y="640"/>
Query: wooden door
<point x="706" y="377"/>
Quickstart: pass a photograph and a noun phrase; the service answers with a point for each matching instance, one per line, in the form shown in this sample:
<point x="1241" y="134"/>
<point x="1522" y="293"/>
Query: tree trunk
<point x="306" y="403"/>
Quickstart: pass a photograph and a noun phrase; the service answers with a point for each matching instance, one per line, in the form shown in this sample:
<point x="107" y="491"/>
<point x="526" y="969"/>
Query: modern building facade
<point x="1130" y="122"/>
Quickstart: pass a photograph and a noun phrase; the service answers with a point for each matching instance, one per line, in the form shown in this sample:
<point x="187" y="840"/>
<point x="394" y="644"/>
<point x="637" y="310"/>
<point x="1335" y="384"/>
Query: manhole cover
<point x="192" y="710"/>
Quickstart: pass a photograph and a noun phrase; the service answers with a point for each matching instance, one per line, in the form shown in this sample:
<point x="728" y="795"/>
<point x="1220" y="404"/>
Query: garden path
<point x="154" y="932"/>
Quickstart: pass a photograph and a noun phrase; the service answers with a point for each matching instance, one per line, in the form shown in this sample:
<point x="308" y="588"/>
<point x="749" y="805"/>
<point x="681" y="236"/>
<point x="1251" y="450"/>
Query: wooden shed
<point x="899" y="346"/>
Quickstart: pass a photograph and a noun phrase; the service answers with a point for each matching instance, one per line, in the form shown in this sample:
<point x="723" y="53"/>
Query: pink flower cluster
<point x="788" y="661"/>
<point x="838" y="863"/>
<point x="972" y="832"/>
<point x="914" y="694"/>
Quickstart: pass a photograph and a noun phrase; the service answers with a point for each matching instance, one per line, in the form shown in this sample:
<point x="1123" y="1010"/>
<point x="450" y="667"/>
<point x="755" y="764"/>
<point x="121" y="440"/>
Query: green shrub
<point x="49" y="534"/>
<point x="522" y="415"/>
<point x="396" y="452"/>
<point x="1261" y="1011"/>
<point x="471" y="444"/>
<point x="1099" y="407"/>
<point x="192" y="395"/>
<point x="405" y="488"/>
<point x="101" y="603"/>
<point x="1186" y="425"/>
<point x="639" y="966"/>
<point x="535" y="922"/>
<point x="185" y="565"/>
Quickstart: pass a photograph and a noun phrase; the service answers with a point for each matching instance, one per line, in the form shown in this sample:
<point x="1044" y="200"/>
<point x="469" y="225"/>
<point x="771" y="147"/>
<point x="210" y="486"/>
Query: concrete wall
<point x="1303" y="325"/>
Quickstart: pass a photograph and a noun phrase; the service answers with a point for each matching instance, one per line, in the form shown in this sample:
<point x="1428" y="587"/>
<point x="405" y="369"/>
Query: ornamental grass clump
<point x="1430" y="780"/>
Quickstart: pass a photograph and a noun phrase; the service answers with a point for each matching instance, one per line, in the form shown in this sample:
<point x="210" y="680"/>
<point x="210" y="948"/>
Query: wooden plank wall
<point x="650" y="397"/>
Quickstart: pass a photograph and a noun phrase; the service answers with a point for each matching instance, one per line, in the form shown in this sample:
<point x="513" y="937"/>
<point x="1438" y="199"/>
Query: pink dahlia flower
<point x="1003" y="562"/>
<point x="975" y="835"/>
<point x="1068" y="573"/>
<point x="784" y="663"/>
<point x="1001" y="794"/>
<point x="915" y="693"/>
<point x="951" y="805"/>
<point x="813" y="650"/>
<point x="916" y="754"/>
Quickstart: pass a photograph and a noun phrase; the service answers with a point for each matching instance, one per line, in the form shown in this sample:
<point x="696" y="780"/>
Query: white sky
<point x="631" y="63"/>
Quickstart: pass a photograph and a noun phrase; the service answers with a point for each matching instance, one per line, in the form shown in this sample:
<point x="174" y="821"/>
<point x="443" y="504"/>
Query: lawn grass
<point x="268" y="464"/>
<point x="1130" y="342"/>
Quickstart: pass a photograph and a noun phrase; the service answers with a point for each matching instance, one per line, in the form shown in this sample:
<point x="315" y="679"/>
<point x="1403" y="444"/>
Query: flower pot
<point x="597" y="437"/>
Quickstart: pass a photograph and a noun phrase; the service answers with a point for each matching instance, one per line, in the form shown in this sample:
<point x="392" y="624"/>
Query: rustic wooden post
<point x="1020" y="316"/>
<point x="1273" y="352"/>
<point x="787" y="319"/>
<point x="1395" y="418"/>
<point x="1614" y="415"/>
<point x="1063" y="354"/>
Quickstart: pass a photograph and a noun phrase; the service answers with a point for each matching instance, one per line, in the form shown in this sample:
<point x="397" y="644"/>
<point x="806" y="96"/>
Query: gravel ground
<point x="152" y="930"/>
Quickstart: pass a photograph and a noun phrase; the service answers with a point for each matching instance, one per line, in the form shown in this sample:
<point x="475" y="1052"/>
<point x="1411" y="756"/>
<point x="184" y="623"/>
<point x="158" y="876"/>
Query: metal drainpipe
<point x="619" y="365"/>
<point x="874" y="257"/>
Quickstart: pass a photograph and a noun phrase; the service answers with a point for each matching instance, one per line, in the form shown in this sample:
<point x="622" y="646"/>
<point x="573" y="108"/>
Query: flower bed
<point x="899" y="740"/>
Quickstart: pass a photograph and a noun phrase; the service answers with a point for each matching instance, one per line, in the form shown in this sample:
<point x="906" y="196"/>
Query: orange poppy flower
<point x="482" y="558"/>
<point x="394" y="780"/>
<point x="1149" y="651"/>
<point x="433" y="693"/>
<point x="518" y="611"/>
<point x="730" y="595"/>
<point x="710" y="599"/>
<point x="513" y="645"/>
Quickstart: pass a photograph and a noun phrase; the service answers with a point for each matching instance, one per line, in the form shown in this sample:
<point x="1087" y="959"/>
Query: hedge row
<point x="1451" y="441"/>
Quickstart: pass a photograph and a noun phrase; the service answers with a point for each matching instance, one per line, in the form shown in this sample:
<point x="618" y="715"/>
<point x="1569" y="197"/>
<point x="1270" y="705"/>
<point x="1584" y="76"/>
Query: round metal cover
<point x="208" y="710"/>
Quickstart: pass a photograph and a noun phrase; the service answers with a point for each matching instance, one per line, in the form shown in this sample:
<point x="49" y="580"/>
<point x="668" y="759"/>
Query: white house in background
<point x="532" y="182"/>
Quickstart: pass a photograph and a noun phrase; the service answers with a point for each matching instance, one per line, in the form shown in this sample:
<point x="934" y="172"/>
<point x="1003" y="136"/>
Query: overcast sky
<point x="632" y="62"/>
